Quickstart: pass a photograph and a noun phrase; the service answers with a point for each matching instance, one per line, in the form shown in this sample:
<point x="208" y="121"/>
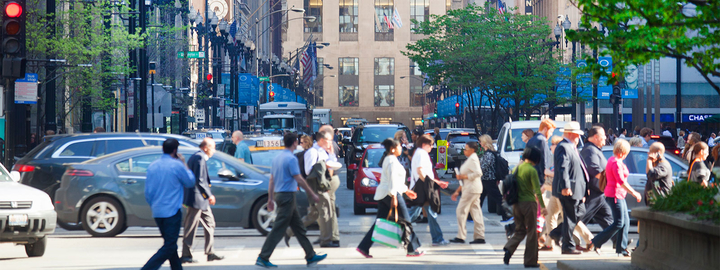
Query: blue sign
<point x="254" y="90"/>
<point x="695" y="117"/>
<point x="245" y="87"/>
<point x="225" y="82"/>
<point x="629" y="93"/>
<point x="26" y="89"/>
<point x="604" y="90"/>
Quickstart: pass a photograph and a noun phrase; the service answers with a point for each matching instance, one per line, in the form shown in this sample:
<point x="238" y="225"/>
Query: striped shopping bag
<point x="387" y="232"/>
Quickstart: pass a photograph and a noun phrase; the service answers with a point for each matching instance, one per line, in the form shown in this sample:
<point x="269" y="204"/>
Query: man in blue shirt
<point x="242" y="151"/>
<point x="166" y="181"/>
<point x="284" y="179"/>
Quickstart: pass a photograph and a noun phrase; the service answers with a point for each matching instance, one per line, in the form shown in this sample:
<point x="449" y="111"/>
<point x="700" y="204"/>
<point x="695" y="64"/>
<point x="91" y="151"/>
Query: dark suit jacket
<point x="539" y="141"/>
<point x="197" y="197"/>
<point x="595" y="162"/>
<point x="568" y="172"/>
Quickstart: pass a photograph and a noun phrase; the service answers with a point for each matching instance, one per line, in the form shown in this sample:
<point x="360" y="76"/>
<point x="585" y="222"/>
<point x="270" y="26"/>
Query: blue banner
<point x="604" y="90"/>
<point x="225" y="80"/>
<point x="629" y="93"/>
<point x="245" y="87"/>
<point x="254" y="90"/>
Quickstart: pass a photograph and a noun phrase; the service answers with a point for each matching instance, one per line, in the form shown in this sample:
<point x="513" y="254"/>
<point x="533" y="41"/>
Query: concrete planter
<point x="675" y="241"/>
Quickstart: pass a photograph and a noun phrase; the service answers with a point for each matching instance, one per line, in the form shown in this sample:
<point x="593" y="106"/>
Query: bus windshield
<point x="278" y="123"/>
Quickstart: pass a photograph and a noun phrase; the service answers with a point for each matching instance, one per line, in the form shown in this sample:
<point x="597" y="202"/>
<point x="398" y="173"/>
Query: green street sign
<point x="191" y="55"/>
<point x="264" y="79"/>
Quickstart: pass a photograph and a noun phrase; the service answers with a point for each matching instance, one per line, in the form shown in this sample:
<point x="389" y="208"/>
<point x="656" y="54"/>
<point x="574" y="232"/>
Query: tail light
<point x="677" y="151"/>
<point x="23" y="168"/>
<point x="74" y="172"/>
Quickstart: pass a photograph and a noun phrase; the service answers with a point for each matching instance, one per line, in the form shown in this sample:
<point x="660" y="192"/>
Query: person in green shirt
<point x="526" y="209"/>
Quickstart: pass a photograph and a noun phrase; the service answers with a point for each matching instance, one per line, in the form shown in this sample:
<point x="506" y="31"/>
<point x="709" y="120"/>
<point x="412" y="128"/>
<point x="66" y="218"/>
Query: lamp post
<point x="257" y="34"/>
<point x="566" y="24"/>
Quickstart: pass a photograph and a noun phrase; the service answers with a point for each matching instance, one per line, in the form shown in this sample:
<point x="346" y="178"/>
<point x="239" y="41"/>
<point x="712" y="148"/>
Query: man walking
<point x="242" y="151"/>
<point x="570" y="183"/>
<point x="334" y="185"/>
<point x="282" y="187"/>
<point x="166" y="179"/>
<point x="198" y="200"/>
<point x="596" y="209"/>
<point x="646" y="135"/>
<point x="540" y="141"/>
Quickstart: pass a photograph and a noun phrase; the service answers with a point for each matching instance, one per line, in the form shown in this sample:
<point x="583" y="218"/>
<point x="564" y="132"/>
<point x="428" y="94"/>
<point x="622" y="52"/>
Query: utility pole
<point x="50" y="114"/>
<point x="678" y="96"/>
<point x="143" y="70"/>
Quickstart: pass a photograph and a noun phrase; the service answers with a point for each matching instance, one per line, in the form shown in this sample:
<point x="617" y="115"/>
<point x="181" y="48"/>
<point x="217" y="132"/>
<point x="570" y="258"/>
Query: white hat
<point x="572" y="127"/>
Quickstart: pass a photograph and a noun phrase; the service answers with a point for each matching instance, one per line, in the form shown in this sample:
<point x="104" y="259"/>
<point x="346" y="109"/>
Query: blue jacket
<point x="164" y="185"/>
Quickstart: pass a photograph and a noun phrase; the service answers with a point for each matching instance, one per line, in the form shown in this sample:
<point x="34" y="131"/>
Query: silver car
<point x="108" y="193"/>
<point x="26" y="214"/>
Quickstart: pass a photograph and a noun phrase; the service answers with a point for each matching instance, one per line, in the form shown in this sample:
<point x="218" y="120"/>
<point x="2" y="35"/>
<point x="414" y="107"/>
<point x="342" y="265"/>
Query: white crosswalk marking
<point x="483" y="249"/>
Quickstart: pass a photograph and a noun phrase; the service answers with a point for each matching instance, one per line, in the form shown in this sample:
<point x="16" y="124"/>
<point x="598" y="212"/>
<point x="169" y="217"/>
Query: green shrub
<point x="691" y="198"/>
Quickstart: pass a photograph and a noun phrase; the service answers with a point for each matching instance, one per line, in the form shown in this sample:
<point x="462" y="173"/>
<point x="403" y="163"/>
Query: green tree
<point x="486" y="55"/>
<point x="642" y="30"/>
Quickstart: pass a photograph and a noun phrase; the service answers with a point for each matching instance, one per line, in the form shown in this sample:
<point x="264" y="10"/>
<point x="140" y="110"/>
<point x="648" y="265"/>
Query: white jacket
<point x="471" y="168"/>
<point x="392" y="180"/>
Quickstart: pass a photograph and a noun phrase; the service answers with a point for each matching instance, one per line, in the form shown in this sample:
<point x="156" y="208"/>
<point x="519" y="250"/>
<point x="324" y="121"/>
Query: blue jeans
<point x="435" y="231"/>
<point x="619" y="227"/>
<point x="169" y="229"/>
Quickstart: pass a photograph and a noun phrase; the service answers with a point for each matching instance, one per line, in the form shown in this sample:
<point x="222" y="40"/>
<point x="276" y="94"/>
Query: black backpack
<point x="510" y="188"/>
<point x="501" y="167"/>
<point x="301" y="161"/>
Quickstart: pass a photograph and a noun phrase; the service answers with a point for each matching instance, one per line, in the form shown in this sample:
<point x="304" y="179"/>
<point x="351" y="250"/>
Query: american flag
<point x="308" y="62"/>
<point x="501" y="7"/>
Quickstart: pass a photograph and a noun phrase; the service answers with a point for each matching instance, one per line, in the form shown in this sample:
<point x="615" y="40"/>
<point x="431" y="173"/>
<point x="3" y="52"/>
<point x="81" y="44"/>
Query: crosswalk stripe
<point x="483" y="249"/>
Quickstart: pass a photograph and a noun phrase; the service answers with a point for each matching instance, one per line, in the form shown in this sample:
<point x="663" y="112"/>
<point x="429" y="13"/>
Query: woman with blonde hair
<point x="681" y="139"/>
<point x="306" y="142"/>
<point x="698" y="172"/>
<point x="636" y="142"/>
<point x="489" y="181"/>
<point x="615" y="191"/>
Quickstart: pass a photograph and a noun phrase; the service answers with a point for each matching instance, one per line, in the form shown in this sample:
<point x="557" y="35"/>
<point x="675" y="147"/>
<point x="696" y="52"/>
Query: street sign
<point x="26" y="89"/>
<point x="194" y="54"/>
<point x="264" y="79"/>
<point x="442" y="153"/>
<point x="200" y="116"/>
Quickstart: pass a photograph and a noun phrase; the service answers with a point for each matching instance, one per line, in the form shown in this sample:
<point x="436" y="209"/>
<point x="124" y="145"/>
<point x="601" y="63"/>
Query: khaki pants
<point x="470" y="203"/>
<point x="322" y="213"/>
<point x="334" y="185"/>
<point x="554" y="212"/>
<point x="193" y="217"/>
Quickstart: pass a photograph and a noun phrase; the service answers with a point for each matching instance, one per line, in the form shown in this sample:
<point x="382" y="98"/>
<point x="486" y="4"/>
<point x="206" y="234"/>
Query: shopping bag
<point x="387" y="233"/>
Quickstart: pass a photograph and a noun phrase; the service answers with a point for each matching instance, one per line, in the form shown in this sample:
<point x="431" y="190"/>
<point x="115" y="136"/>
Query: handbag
<point x="388" y="233"/>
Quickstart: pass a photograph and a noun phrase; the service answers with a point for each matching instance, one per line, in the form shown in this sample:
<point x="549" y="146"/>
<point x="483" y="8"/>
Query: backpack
<point x="301" y="161"/>
<point x="602" y="181"/>
<point x="510" y="188"/>
<point x="501" y="167"/>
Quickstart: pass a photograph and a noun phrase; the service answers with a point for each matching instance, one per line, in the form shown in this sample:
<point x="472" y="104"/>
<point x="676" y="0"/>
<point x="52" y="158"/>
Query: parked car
<point x="27" y="216"/>
<point x="509" y="140"/>
<point x="636" y="162"/>
<point x="107" y="194"/>
<point x="364" y="136"/>
<point x="456" y="144"/>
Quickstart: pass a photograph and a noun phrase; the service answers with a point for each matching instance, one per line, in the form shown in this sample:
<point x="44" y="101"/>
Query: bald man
<point x="242" y="151"/>
<point x="334" y="184"/>
<point x="198" y="200"/>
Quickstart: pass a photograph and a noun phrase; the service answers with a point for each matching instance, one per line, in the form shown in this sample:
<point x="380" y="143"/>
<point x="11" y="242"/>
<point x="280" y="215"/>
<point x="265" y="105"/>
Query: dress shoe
<point x="315" y="260"/>
<point x="478" y="241"/>
<point x="532" y="266"/>
<point x="336" y="242"/>
<point x="579" y="248"/>
<point x="546" y="248"/>
<point x="506" y="258"/>
<point x="287" y="240"/>
<point x="317" y="242"/>
<point x="457" y="240"/>
<point x="187" y="260"/>
<point x="571" y="252"/>
<point x="330" y="245"/>
<point x="214" y="257"/>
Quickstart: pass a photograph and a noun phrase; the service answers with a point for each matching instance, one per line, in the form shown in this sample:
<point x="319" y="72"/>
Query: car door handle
<point x="129" y="181"/>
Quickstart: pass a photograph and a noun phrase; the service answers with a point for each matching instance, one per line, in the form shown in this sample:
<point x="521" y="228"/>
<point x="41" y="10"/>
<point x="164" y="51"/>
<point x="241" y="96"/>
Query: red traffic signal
<point x="208" y="76"/>
<point x="272" y="94"/>
<point x="457" y="104"/>
<point x="13" y="10"/>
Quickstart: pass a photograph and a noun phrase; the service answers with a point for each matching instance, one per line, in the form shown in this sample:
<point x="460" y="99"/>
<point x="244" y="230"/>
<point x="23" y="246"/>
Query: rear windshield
<point x="43" y="150"/>
<point x="669" y="143"/>
<point x="375" y="134"/>
<point x="458" y="138"/>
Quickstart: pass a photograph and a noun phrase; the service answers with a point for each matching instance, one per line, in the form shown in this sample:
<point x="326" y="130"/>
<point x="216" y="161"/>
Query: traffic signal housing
<point x="272" y="96"/>
<point x="13" y="39"/>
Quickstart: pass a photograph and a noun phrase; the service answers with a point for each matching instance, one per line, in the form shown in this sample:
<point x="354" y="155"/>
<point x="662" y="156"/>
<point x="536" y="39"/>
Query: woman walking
<point x="615" y="192"/>
<point x="698" y="171"/>
<point x="470" y="174"/>
<point x="526" y="209"/>
<point x="489" y="181"/>
<point x="389" y="197"/>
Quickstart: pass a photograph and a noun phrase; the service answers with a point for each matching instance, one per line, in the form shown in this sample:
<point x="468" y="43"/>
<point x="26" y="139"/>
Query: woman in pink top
<point x="615" y="191"/>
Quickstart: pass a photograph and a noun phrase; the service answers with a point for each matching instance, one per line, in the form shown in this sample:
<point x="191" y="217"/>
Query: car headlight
<point x="367" y="182"/>
<point x="358" y="154"/>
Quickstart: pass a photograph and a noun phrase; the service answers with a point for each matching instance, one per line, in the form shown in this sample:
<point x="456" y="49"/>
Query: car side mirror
<point x="228" y="175"/>
<point x="15" y="176"/>
<point x="352" y="167"/>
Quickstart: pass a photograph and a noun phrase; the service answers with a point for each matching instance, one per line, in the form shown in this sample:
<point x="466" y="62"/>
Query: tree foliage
<point x="642" y="30"/>
<point x="503" y="57"/>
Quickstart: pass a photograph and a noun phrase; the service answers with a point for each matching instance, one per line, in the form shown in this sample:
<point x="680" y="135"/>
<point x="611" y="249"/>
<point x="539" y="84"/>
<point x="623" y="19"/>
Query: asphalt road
<point x="130" y="250"/>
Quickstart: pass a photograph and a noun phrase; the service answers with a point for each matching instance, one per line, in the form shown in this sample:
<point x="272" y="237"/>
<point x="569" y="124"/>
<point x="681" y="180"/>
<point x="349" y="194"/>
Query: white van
<point x="509" y="140"/>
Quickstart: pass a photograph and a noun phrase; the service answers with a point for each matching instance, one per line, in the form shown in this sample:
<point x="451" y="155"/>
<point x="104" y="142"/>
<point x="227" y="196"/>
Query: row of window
<point x="348" y="16"/>
<point x="383" y="66"/>
<point x="384" y="96"/>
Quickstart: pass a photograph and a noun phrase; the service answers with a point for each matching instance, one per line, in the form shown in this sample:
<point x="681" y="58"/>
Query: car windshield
<point x="375" y="134"/>
<point x="372" y="158"/>
<point x="5" y="176"/>
<point x="278" y="123"/>
<point x="459" y="138"/>
<point x="217" y="134"/>
<point x="515" y="143"/>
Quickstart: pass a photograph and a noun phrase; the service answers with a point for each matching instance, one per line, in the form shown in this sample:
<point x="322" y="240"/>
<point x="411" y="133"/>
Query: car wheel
<point x="358" y="209"/>
<point x="69" y="226"/>
<point x="103" y="217"/>
<point x="350" y="177"/>
<point x="36" y="249"/>
<point x="262" y="219"/>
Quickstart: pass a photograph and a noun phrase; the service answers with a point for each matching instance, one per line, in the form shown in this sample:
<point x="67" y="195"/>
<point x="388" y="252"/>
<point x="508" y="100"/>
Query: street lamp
<point x="257" y="34"/>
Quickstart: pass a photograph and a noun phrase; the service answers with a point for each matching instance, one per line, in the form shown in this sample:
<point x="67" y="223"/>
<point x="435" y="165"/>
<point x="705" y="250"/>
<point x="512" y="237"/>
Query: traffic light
<point x="208" y="77"/>
<point x="13" y="43"/>
<point x="272" y="96"/>
<point x="457" y="108"/>
<point x="616" y="96"/>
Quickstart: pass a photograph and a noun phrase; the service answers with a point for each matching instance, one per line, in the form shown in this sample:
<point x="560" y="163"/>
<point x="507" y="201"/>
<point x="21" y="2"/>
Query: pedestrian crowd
<point x="547" y="200"/>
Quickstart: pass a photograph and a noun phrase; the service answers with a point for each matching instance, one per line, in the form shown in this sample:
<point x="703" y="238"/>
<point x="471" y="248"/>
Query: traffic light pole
<point x="143" y="70"/>
<point x="50" y="114"/>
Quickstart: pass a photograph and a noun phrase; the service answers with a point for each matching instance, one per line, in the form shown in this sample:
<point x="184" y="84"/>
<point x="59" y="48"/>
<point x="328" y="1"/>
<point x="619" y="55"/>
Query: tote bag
<point x="388" y="233"/>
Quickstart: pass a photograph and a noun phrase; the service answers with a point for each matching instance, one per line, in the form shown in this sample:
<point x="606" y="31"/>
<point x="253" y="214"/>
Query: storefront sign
<point x="695" y="117"/>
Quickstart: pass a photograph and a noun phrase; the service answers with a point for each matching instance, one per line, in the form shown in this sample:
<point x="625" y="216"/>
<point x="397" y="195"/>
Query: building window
<point x="348" y="66"/>
<point x="415" y="70"/>
<point x="319" y="95"/>
<point x="385" y="66"/>
<point x="416" y="95"/>
<point x="384" y="95"/>
<point x="419" y="11"/>
<point x="349" y="96"/>
<point x="321" y="66"/>
<point x="348" y="16"/>
<point x="314" y="8"/>
<point x="383" y="18"/>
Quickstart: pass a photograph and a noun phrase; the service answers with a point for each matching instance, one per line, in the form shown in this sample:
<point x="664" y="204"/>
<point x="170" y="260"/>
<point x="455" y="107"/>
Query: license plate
<point x="17" y="220"/>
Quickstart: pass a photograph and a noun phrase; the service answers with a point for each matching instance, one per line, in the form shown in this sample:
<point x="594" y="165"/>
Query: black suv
<point x="364" y="136"/>
<point x="669" y="143"/>
<point x="43" y="166"/>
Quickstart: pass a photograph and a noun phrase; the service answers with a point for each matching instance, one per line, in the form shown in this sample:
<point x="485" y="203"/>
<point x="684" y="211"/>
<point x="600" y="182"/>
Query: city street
<point x="130" y="250"/>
